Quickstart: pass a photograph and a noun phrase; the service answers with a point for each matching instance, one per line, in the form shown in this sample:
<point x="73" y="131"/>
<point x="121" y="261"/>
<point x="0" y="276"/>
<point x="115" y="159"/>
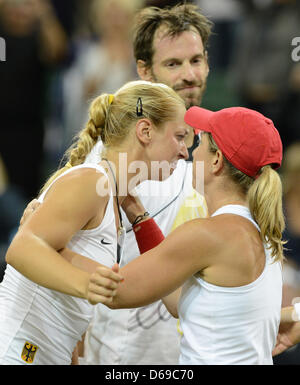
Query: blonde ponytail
<point x="87" y="138"/>
<point x="264" y="196"/>
<point x="265" y="204"/>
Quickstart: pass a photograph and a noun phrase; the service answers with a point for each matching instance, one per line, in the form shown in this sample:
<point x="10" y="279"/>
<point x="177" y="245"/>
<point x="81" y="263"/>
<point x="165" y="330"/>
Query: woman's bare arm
<point x="158" y="272"/>
<point x="68" y="207"/>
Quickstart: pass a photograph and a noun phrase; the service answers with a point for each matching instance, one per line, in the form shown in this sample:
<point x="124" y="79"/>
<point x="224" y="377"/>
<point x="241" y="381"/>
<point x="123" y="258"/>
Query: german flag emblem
<point x="28" y="352"/>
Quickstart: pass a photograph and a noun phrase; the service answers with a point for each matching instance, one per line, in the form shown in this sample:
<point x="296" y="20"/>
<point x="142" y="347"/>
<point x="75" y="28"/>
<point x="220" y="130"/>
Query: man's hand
<point x="288" y="335"/>
<point x="30" y="208"/>
<point x="133" y="207"/>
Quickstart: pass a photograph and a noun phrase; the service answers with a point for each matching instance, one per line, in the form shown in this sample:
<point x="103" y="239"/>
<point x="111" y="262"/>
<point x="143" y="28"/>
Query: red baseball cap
<point x="247" y="138"/>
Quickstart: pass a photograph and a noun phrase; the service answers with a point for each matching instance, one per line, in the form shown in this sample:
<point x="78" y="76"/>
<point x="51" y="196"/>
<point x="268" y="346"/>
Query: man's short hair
<point x="177" y="19"/>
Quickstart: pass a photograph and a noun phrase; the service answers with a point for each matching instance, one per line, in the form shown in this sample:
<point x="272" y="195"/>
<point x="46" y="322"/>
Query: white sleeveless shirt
<point x="231" y="325"/>
<point x="50" y="320"/>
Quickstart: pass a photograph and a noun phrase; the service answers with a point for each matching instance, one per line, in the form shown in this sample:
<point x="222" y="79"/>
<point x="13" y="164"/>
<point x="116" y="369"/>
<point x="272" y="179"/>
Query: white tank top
<point x="46" y="318"/>
<point x="231" y="325"/>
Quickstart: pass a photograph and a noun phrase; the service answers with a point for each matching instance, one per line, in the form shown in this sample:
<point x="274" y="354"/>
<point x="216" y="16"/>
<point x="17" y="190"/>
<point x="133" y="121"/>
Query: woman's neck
<point x="217" y="197"/>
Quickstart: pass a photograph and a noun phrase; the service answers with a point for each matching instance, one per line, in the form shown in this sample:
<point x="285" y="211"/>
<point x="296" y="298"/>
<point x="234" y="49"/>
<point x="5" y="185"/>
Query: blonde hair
<point x="264" y="197"/>
<point x="112" y="118"/>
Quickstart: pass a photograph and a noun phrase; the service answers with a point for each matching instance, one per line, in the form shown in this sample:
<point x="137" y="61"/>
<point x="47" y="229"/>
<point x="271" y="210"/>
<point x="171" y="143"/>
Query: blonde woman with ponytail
<point x="43" y="306"/>
<point x="229" y="265"/>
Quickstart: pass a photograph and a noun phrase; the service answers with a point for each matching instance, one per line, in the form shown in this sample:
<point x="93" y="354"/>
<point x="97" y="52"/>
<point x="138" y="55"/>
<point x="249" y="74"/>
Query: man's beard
<point x="189" y="101"/>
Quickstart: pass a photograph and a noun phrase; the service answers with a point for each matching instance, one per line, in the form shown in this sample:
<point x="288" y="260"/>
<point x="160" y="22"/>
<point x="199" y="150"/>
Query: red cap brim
<point x="198" y="118"/>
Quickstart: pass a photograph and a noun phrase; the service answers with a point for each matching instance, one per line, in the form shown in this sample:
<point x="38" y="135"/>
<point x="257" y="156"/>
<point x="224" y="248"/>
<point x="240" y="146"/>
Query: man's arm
<point x="289" y="330"/>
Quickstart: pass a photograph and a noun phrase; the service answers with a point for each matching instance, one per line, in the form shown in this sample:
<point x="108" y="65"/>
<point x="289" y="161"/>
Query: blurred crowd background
<point x="60" y="54"/>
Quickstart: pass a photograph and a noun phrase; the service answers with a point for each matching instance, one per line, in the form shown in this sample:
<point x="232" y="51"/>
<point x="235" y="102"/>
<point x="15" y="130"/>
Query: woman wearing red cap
<point x="229" y="265"/>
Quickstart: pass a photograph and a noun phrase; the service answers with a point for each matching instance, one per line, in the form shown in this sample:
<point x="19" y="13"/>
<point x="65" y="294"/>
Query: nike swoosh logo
<point x="105" y="243"/>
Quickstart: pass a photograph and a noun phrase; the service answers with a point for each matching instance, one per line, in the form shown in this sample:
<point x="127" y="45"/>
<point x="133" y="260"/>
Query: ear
<point x="144" y="71"/>
<point x="144" y="131"/>
<point x="217" y="162"/>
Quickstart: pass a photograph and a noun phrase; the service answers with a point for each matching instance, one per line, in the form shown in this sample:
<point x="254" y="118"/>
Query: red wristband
<point x="147" y="235"/>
